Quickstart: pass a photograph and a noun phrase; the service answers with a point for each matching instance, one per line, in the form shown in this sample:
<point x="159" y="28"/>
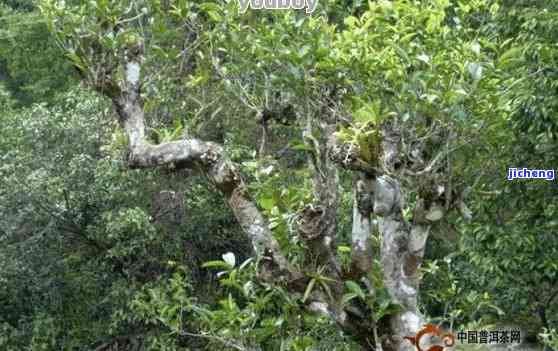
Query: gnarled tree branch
<point x="205" y="156"/>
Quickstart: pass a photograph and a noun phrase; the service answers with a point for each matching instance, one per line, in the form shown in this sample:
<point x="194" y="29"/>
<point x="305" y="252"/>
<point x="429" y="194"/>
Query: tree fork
<point x="209" y="157"/>
<point x="206" y="156"/>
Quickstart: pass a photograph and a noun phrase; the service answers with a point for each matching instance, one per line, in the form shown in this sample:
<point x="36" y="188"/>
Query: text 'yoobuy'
<point x="310" y="5"/>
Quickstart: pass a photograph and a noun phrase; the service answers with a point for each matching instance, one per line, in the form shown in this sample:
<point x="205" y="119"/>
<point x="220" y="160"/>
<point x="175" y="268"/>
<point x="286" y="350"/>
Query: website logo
<point x="447" y="338"/>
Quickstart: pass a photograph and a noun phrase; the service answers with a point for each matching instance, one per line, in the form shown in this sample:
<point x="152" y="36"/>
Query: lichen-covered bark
<point x="361" y="245"/>
<point x="318" y="224"/>
<point x="401" y="254"/>
<point x="318" y="227"/>
<point x="378" y="194"/>
<point x="402" y="246"/>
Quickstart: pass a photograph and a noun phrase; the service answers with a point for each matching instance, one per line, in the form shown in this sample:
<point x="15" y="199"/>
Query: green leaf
<point x="300" y="146"/>
<point x="217" y="264"/>
<point x="214" y="15"/>
<point x="355" y="288"/>
<point x="509" y="57"/>
<point x="343" y="249"/>
<point x="401" y="53"/>
<point x="309" y="289"/>
<point x="351" y="21"/>
<point x="267" y="203"/>
<point x="348" y="297"/>
<point x="245" y="263"/>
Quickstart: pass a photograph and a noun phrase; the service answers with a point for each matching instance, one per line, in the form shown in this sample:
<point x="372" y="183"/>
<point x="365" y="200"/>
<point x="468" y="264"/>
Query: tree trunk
<point x="403" y="243"/>
<point x="401" y="254"/>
